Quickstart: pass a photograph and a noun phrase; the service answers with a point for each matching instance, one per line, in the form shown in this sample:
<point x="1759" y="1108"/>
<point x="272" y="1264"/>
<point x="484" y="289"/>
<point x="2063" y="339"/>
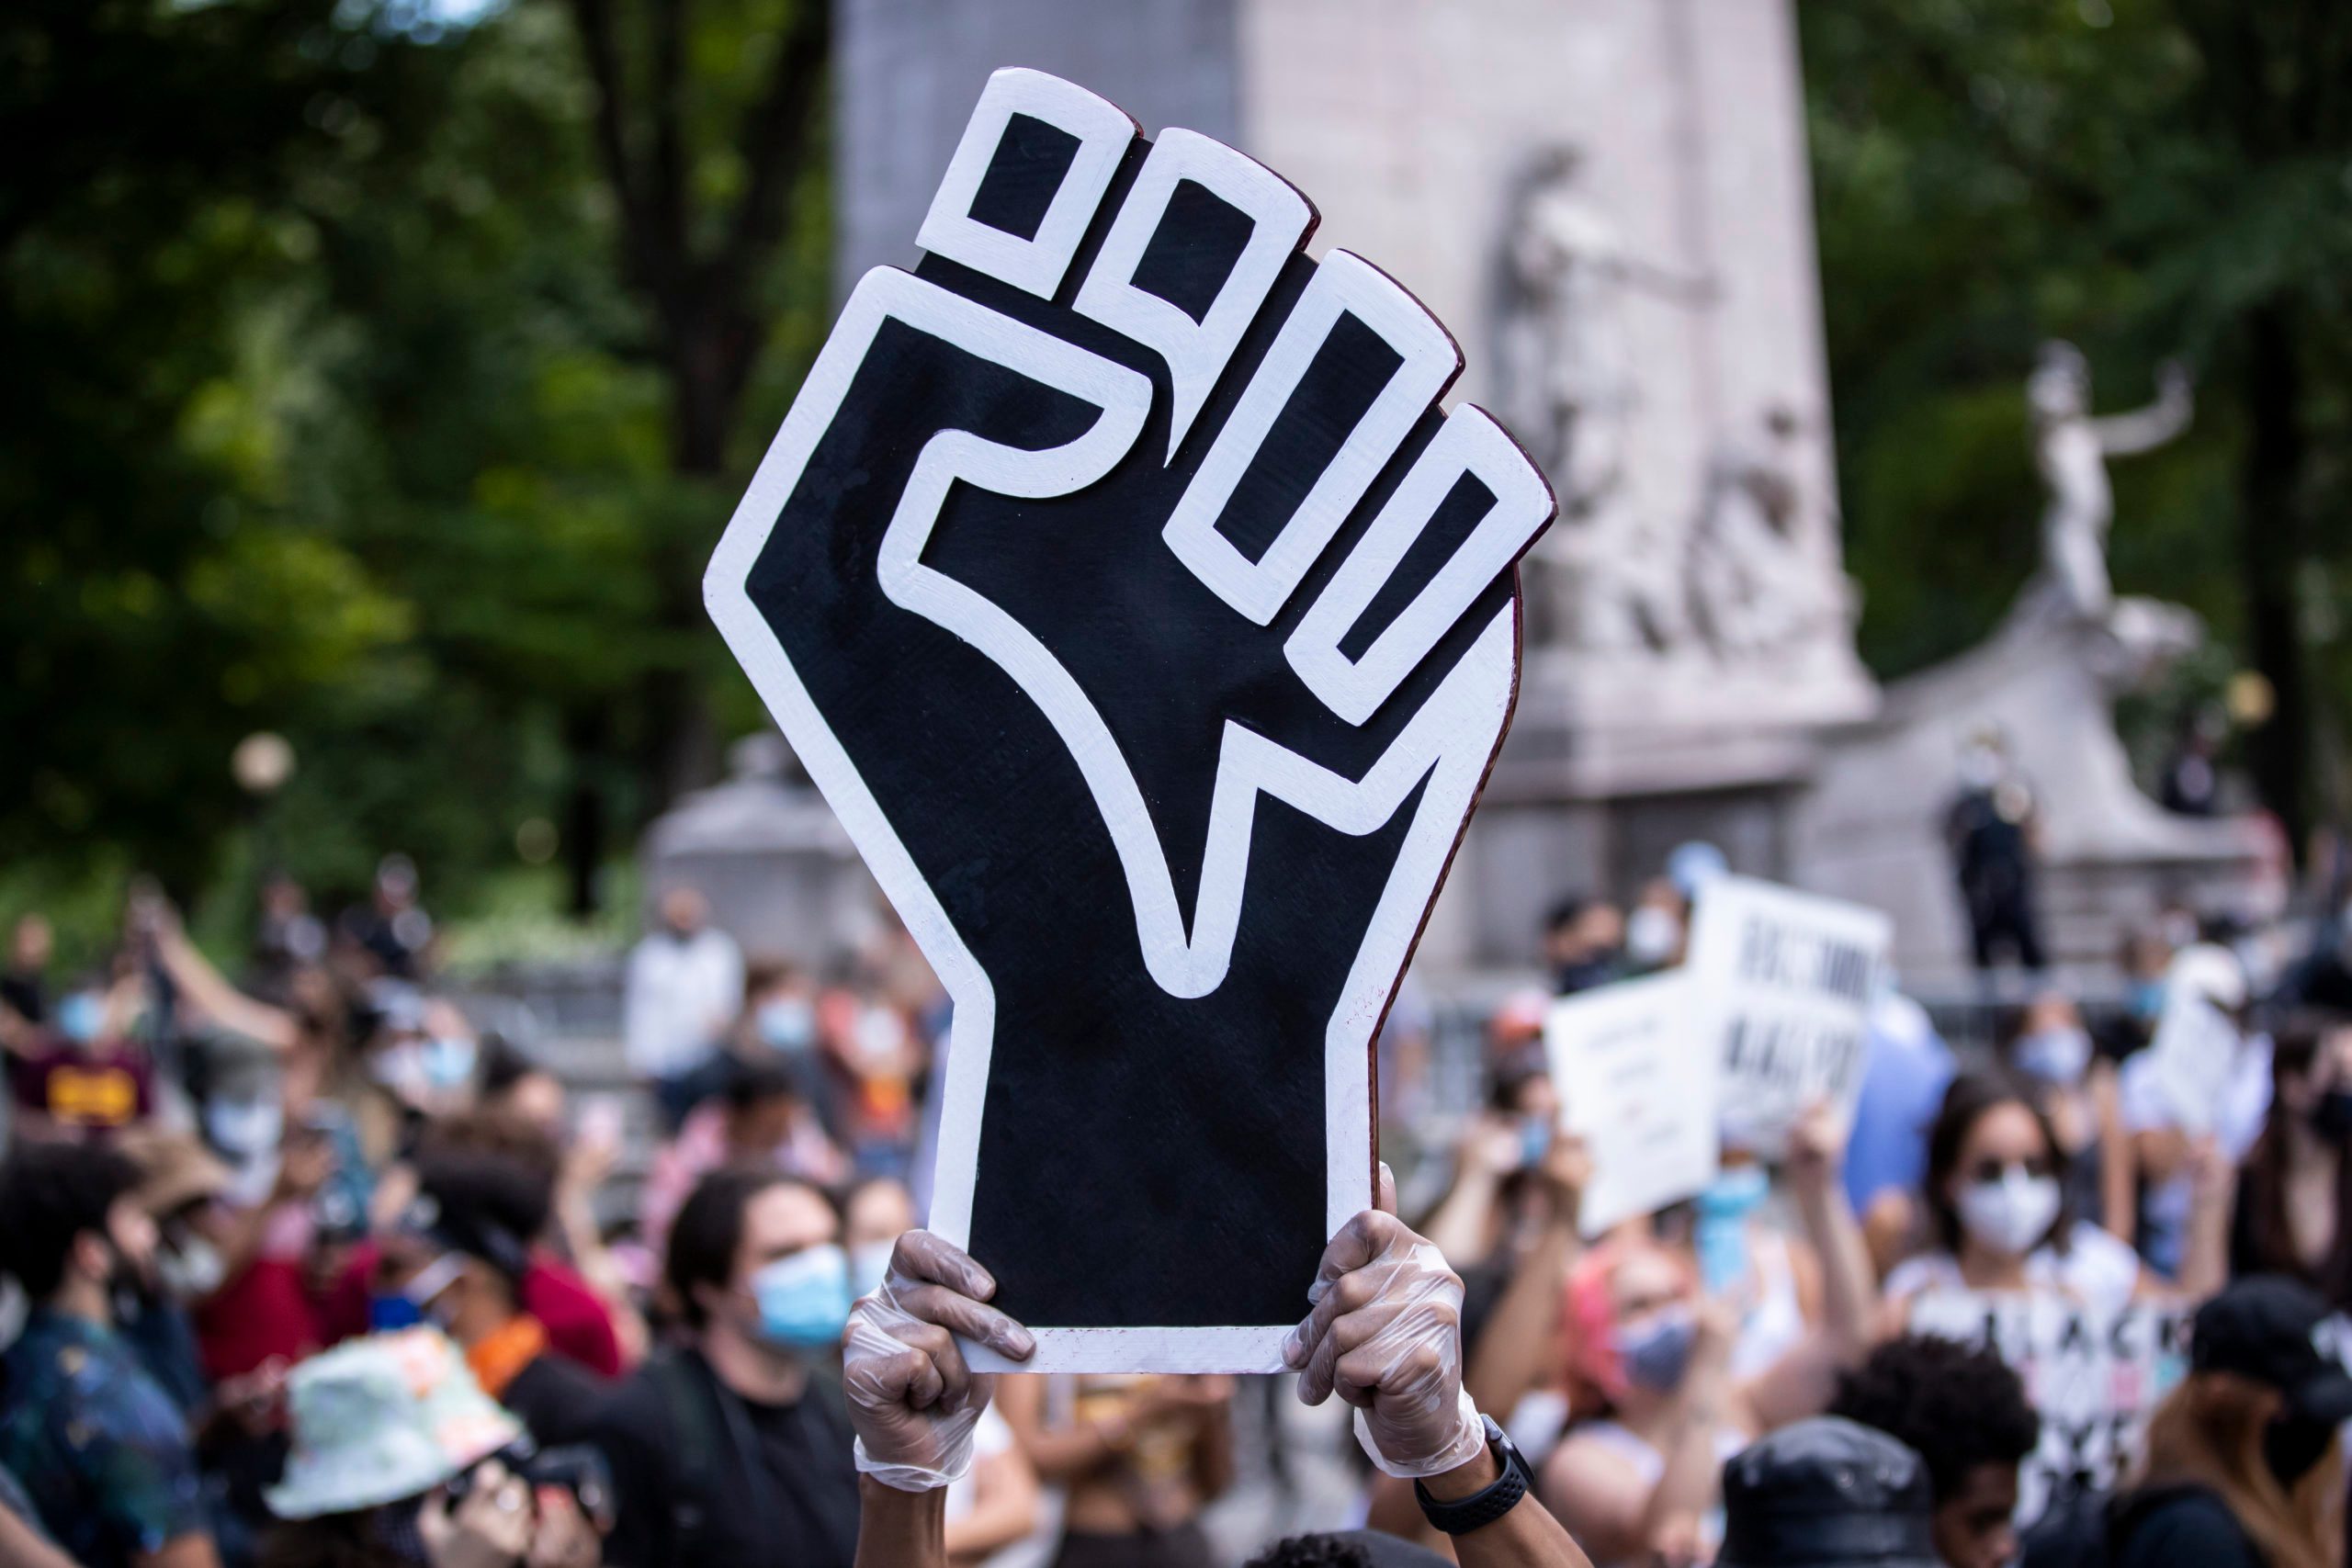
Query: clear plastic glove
<point x="912" y="1401"/>
<point x="1385" y="1336"/>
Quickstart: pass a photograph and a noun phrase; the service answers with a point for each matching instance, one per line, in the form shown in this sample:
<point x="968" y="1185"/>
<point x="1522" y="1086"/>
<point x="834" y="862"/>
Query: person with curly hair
<point x="1964" y="1411"/>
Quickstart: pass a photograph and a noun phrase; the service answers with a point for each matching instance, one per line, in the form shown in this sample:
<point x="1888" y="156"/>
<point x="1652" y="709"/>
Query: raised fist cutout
<point x="1150" y="629"/>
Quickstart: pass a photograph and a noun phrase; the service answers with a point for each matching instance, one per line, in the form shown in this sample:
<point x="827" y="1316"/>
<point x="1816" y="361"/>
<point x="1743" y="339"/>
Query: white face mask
<point x="2056" y="1056"/>
<point x="2010" y="1216"/>
<point x="192" y="1270"/>
<point x="1651" y="936"/>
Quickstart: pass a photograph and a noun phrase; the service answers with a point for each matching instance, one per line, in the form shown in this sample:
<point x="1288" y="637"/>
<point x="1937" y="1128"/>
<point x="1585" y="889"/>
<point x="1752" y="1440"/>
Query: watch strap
<point x="1490" y="1503"/>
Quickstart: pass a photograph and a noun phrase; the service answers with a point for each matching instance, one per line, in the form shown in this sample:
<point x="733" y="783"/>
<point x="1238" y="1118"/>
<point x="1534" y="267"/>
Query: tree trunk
<point x="586" y="742"/>
<point x="2271" y="540"/>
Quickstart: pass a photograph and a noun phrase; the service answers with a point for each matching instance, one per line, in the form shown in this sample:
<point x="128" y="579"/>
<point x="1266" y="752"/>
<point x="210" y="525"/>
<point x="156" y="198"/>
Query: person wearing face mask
<point x="2078" y="1093"/>
<point x="458" y="1260"/>
<point x="1584" y="944"/>
<point x="1659" y="1406"/>
<point x="397" y="1461"/>
<point x="2244" y="1467"/>
<point x="99" y="1446"/>
<point x="2297" y="1184"/>
<point x="761" y="1120"/>
<point x="1999" y="1219"/>
<point x="735" y="1448"/>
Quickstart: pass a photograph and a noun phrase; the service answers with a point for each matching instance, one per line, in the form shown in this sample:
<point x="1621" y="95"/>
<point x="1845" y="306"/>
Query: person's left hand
<point x="912" y="1401"/>
<point x="1385" y="1336"/>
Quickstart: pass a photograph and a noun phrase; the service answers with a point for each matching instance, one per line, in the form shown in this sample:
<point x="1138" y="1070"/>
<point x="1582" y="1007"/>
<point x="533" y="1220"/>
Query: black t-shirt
<point x="704" y="1475"/>
<point x="2177" y="1525"/>
<point x="559" y="1400"/>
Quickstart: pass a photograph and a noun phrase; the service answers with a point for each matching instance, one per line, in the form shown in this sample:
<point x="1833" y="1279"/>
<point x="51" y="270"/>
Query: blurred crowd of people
<point x="307" y="1269"/>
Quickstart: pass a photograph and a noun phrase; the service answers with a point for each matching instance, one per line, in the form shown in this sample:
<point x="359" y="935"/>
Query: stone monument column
<point x="1609" y="200"/>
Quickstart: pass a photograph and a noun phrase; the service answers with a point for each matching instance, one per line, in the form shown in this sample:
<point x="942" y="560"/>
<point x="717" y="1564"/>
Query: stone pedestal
<point x="1607" y="202"/>
<point x="1871" y="828"/>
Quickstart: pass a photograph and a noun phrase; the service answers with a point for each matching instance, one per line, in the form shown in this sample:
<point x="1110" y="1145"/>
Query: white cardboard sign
<point x="2094" y="1377"/>
<point x="1638" y="1082"/>
<point x="1782" y="984"/>
<point x="2190" y="1058"/>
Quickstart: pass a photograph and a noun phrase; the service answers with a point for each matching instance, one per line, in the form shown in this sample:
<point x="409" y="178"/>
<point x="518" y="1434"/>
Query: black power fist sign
<point x="1119" y="582"/>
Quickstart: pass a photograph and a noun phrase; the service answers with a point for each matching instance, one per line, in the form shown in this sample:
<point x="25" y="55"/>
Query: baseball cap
<point x="1827" y="1493"/>
<point x="2278" y="1333"/>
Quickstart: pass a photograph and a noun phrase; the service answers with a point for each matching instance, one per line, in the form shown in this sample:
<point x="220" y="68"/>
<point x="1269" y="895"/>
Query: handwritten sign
<point x="1782" y="982"/>
<point x="2190" y="1059"/>
<point x="1637" y="1083"/>
<point x="2093" y="1376"/>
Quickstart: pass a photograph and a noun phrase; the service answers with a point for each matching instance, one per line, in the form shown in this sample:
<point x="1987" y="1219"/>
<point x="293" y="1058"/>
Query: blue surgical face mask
<point x="803" y="1300"/>
<point x="80" y="1016"/>
<point x="1534" y="1140"/>
<point x="1720" y="1234"/>
<point x="2058" y="1057"/>
<point x="2147" y="1000"/>
<point x="449" y="1062"/>
<point x="1655" y="1352"/>
<point x="1736" y="1193"/>
<point x="789" y="1024"/>
<point x="869" y="1265"/>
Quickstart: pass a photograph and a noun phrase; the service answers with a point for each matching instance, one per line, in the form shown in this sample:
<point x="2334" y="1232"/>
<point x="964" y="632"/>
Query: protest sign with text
<point x="1782" y="983"/>
<point x="1637" y="1083"/>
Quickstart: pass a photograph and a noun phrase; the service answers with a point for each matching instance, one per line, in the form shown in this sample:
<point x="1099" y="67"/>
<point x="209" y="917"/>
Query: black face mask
<point x="2332" y="1117"/>
<point x="2292" y="1444"/>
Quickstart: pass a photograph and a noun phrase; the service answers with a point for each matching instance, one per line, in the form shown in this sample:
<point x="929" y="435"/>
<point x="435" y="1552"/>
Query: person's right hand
<point x="912" y="1401"/>
<point x="1490" y="1147"/>
<point x="1385" y="1336"/>
<point x="564" y="1538"/>
<point x="1567" y="1172"/>
<point x="490" y="1529"/>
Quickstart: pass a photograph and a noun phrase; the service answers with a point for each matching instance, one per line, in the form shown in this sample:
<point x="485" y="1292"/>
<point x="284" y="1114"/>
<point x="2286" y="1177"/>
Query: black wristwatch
<point x="1483" y="1507"/>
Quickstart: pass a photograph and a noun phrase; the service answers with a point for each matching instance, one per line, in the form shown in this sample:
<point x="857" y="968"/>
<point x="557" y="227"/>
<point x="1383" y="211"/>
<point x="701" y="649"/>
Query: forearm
<point x="1070" y="1453"/>
<point x="900" y="1530"/>
<point x="1527" y="1536"/>
<point x="1509" y="1359"/>
<point x="1848" y="1285"/>
<point x="1459" y="1228"/>
<point x="220" y="1001"/>
<point x="2205" y="1253"/>
<point x="1686" y="1484"/>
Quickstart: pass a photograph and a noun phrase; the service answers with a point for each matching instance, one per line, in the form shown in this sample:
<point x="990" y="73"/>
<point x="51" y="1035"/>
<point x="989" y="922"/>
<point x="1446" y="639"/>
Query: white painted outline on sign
<point x="1195" y="352"/>
<point x="1344" y="285"/>
<point x="1104" y="132"/>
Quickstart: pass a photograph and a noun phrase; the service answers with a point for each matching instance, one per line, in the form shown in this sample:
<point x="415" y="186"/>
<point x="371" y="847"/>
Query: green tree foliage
<point x="2148" y="178"/>
<point x="335" y="413"/>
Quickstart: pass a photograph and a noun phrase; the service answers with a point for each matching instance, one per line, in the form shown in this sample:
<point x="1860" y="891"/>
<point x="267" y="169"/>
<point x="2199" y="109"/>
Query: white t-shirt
<point x="678" y="998"/>
<point x="990" y="1437"/>
<point x="2095" y="1270"/>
